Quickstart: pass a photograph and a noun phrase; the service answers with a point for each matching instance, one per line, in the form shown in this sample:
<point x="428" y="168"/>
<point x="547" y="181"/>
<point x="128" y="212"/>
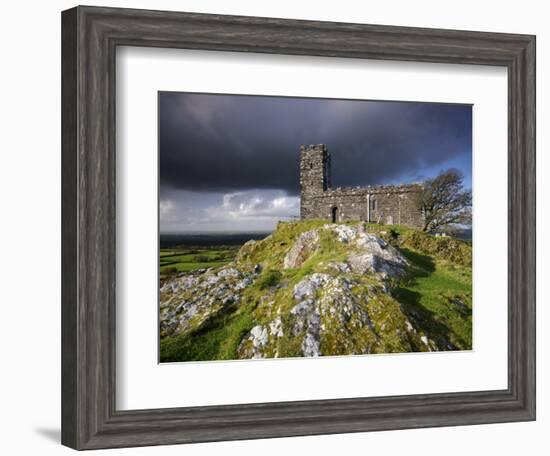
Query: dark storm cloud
<point x="224" y="143"/>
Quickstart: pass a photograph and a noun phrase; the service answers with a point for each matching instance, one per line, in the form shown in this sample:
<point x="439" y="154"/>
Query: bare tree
<point x="445" y="202"/>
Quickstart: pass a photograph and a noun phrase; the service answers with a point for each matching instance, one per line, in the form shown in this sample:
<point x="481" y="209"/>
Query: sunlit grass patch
<point x="438" y="296"/>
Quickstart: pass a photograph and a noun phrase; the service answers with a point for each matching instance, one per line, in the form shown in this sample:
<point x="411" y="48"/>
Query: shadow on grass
<point x="436" y="327"/>
<point x="422" y="265"/>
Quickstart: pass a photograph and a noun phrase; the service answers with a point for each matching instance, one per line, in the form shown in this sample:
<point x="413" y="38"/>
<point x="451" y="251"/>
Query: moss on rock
<point x="318" y="289"/>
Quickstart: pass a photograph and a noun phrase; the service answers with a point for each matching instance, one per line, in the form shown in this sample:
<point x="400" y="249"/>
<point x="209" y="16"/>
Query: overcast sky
<point x="230" y="162"/>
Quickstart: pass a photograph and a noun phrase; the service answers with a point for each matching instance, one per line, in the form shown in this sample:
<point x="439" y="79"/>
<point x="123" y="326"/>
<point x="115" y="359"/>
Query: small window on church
<point x="311" y="166"/>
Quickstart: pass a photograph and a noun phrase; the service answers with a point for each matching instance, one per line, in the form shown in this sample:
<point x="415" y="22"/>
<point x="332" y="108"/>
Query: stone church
<point x="387" y="204"/>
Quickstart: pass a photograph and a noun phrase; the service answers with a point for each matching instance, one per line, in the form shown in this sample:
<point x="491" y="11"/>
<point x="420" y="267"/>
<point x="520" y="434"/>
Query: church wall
<point x="387" y="204"/>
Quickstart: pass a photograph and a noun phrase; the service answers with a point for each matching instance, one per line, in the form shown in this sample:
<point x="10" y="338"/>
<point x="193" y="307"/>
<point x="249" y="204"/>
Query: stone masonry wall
<point x="387" y="204"/>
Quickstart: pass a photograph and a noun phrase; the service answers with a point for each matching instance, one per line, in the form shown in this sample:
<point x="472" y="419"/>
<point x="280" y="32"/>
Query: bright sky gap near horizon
<point x="229" y="163"/>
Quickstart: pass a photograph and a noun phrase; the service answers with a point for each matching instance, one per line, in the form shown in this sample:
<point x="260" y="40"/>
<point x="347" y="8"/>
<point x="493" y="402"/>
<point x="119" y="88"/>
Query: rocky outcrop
<point x="322" y="291"/>
<point x="188" y="301"/>
<point x="334" y="315"/>
<point x="330" y="314"/>
<point x="370" y="253"/>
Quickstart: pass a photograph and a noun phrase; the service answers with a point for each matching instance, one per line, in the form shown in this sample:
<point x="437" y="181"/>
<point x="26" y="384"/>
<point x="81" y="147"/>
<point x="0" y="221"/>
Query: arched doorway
<point x="334" y="214"/>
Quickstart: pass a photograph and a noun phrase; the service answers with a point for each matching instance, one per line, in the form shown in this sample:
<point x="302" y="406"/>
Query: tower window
<point x="311" y="166"/>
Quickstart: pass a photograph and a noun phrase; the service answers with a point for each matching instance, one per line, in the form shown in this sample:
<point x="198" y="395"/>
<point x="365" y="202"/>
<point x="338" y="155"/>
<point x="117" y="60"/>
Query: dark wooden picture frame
<point x="90" y="36"/>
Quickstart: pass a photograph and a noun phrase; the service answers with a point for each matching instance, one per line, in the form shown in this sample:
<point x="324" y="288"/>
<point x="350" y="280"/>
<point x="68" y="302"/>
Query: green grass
<point x="217" y="339"/>
<point x="187" y="259"/>
<point x="448" y="248"/>
<point x="268" y="279"/>
<point x="436" y="294"/>
<point x="430" y="293"/>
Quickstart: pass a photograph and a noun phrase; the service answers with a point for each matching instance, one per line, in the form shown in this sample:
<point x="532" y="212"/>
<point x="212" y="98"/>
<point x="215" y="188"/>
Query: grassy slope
<point x="427" y="294"/>
<point x="438" y="291"/>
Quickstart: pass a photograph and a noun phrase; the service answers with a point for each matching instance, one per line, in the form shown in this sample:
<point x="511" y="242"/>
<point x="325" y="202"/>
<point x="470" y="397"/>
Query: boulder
<point x="254" y="344"/>
<point x="306" y="245"/>
<point x="387" y="266"/>
<point x="370" y="253"/>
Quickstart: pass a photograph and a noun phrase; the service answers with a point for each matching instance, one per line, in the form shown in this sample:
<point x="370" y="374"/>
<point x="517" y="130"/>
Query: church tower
<point x="314" y="177"/>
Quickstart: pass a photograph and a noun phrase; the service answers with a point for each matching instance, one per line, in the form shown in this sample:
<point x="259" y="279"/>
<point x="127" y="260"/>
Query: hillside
<point x="312" y="289"/>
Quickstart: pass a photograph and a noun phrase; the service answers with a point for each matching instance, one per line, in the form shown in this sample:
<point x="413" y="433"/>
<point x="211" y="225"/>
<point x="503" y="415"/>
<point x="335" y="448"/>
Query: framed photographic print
<point x="262" y="256"/>
<point x="279" y="228"/>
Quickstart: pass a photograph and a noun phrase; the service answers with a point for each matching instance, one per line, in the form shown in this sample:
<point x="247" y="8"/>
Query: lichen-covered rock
<point x="180" y="283"/>
<point x="306" y="244"/>
<point x="332" y="315"/>
<point x="308" y="286"/>
<point x="339" y="266"/>
<point x="306" y="290"/>
<point x="228" y="272"/>
<point x="388" y="266"/>
<point x="346" y="233"/>
<point x="188" y="301"/>
<point x="370" y="253"/>
<point x="307" y="325"/>
<point x="255" y="343"/>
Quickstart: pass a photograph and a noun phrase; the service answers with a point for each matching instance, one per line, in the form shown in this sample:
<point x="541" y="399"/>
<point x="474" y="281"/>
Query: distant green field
<point x="185" y="259"/>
